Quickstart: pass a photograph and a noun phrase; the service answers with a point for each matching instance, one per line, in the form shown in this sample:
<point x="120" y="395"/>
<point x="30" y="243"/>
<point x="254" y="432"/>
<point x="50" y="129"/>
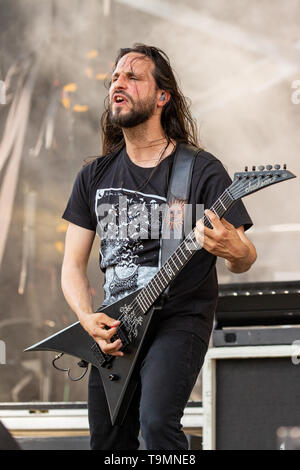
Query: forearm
<point x="76" y="289"/>
<point x="241" y="259"/>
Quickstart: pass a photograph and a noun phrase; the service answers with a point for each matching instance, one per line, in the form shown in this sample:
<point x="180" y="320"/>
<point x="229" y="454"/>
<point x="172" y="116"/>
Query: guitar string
<point x="230" y="195"/>
<point x="182" y="258"/>
<point x="182" y="255"/>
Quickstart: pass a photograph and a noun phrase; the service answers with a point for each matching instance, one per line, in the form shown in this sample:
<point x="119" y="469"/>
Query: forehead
<point x="134" y="62"/>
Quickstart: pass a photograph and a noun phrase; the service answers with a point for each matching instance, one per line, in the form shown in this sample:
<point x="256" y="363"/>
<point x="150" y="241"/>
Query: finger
<point x="115" y="353"/>
<point x="199" y="233"/>
<point x="227" y="224"/>
<point x="100" y="331"/>
<point x="108" y="334"/>
<point x="112" y="348"/>
<point x="201" y="227"/>
<point x="213" y="218"/>
<point x="204" y="235"/>
<point x="203" y="231"/>
<point x="108" y="321"/>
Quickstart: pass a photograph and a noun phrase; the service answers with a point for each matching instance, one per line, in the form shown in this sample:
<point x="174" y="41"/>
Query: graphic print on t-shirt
<point x="129" y="226"/>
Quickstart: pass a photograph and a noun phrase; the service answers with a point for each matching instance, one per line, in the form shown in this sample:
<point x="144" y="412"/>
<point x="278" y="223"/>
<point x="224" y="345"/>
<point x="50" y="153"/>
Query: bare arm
<point x="76" y="289"/>
<point x="243" y="263"/>
<point x="74" y="281"/>
<point x="226" y="241"/>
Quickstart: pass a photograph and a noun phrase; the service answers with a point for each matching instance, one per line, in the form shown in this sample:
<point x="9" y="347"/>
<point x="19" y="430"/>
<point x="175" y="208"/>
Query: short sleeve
<point x="213" y="181"/>
<point x="78" y="210"/>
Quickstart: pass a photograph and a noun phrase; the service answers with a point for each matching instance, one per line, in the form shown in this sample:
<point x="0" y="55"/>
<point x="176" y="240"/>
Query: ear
<point x="163" y="97"/>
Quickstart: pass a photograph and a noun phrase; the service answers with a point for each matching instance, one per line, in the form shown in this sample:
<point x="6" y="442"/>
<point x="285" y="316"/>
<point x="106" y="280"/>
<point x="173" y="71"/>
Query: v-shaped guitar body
<point x="119" y="374"/>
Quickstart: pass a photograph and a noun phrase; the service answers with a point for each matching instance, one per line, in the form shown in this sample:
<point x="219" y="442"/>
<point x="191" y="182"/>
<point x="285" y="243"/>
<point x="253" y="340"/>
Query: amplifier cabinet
<point x="249" y="392"/>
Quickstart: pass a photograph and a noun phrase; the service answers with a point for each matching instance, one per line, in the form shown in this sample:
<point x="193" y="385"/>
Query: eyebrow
<point x="129" y="74"/>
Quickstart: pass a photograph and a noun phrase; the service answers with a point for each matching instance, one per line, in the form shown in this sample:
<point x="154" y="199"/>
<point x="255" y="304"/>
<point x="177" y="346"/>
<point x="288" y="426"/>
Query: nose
<point x="120" y="82"/>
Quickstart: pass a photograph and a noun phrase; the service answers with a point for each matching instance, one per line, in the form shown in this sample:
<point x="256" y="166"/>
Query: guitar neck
<point x="179" y="258"/>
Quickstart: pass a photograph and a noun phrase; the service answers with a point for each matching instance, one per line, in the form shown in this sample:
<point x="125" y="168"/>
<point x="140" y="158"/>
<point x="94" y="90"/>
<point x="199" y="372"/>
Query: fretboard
<point x="179" y="258"/>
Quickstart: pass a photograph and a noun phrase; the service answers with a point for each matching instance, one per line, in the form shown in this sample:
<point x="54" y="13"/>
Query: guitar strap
<point x="178" y="195"/>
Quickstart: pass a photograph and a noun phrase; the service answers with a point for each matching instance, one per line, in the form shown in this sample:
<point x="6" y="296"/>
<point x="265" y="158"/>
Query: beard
<point x="135" y="116"/>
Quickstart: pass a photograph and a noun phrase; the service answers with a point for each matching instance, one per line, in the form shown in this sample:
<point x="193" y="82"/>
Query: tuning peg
<point x="269" y="167"/>
<point x="284" y="166"/>
<point x="277" y="167"/>
<point x="246" y="168"/>
<point x="253" y="168"/>
<point x="261" y="168"/>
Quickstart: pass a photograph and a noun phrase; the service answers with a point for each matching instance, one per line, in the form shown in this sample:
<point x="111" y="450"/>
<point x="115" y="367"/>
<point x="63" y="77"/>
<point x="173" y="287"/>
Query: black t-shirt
<point x="116" y="198"/>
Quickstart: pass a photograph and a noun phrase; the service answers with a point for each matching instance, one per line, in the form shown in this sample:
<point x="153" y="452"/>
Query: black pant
<point x="167" y="376"/>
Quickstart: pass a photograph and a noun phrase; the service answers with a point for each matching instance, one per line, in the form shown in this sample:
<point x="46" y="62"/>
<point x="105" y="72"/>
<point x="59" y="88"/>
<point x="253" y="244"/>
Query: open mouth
<point x="119" y="100"/>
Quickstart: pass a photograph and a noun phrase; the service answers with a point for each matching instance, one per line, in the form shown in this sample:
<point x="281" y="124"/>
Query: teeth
<point x="119" y="99"/>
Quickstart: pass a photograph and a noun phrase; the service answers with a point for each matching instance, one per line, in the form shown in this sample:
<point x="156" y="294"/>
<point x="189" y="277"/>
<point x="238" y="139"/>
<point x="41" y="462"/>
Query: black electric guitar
<point x="135" y="311"/>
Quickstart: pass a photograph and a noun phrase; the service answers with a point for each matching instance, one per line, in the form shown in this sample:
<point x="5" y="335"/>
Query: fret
<point x="138" y="299"/>
<point x="147" y="301"/>
<point x="166" y="271"/>
<point x="222" y="204"/>
<point x="228" y="195"/>
<point x="150" y="294"/>
<point x="168" y="268"/>
<point x="176" y="254"/>
<point x="196" y="244"/>
<point x="150" y="287"/>
<point x="182" y="252"/>
<point x="153" y="280"/>
<point x="171" y="260"/>
<point x="218" y="210"/>
<point x="162" y="274"/>
<point x="142" y="302"/>
<point x="158" y="284"/>
<point x="179" y="258"/>
<point x="137" y="308"/>
<point x="190" y="252"/>
<point x="189" y="240"/>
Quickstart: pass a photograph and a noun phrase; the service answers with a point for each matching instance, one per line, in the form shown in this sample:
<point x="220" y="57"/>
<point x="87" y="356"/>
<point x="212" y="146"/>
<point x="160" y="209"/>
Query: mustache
<point x="120" y="92"/>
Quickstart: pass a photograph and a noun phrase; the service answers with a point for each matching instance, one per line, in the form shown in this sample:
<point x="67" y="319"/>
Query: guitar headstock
<point x="250" y="181"/>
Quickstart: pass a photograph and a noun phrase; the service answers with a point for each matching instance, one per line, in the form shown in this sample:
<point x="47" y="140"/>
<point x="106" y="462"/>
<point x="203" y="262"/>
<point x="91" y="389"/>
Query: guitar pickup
<point x="122" y="334"/>
<point x="101" y="358"/>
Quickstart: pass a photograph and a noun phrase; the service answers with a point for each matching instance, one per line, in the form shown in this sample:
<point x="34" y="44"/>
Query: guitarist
<point x="146" y="117"/>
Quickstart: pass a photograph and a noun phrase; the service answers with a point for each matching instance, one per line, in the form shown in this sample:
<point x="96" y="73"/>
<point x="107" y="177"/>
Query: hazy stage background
<point x="239" y="63"/>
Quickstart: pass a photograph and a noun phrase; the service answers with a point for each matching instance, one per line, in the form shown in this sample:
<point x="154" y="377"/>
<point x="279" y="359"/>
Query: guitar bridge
<point x="103" y="359"/>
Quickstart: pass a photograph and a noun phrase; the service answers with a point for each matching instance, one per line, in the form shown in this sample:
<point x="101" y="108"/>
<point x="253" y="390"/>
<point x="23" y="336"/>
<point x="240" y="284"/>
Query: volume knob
<point x="113" y="377"/>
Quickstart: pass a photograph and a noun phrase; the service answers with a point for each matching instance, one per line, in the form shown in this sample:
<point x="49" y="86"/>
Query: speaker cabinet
<point x="248" y="394"/>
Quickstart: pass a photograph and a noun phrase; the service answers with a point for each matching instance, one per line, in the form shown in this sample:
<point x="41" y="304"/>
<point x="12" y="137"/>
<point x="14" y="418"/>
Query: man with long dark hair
<point x="145" y="119"/>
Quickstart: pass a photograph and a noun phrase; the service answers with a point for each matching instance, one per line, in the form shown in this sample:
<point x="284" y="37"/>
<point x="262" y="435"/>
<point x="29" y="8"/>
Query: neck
<point x="146" y="144"/>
